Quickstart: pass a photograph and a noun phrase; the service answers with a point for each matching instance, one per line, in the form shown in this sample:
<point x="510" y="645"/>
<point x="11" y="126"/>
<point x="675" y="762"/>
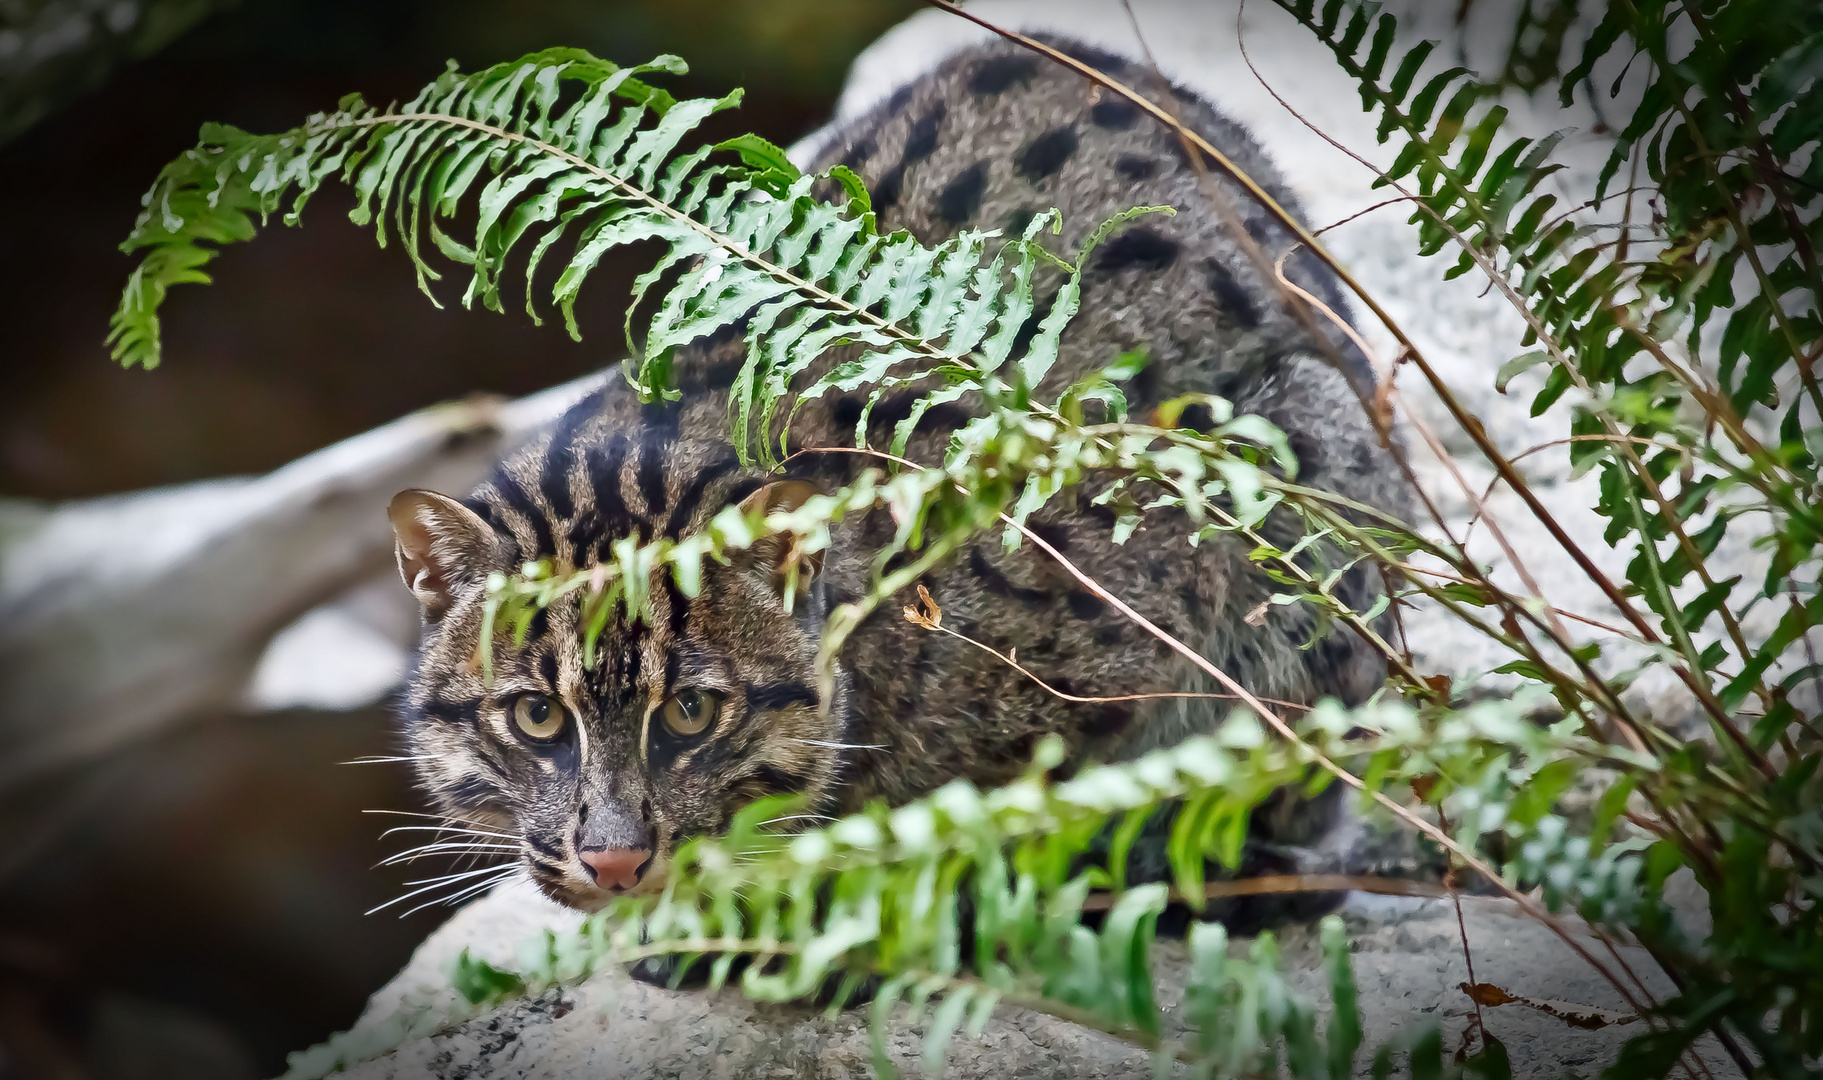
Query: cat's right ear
<point x="442" y="546"/>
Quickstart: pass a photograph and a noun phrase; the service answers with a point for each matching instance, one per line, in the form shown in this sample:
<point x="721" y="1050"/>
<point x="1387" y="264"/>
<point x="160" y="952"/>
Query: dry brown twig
<point x="1280" y="884"/>
<point x="1473" y="428"/>
<point x="1278" y="724"/>
<point x="929" y="615"/>
<point x="1295" y="300"/>
<point x="1474" y="862"/>
<point x="1384" y="398"/>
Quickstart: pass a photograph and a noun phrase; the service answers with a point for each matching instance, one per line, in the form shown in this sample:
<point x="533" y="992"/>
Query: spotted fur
<point x="988" y="138"/>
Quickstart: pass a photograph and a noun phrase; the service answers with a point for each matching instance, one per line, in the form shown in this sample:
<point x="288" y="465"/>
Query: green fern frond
<point x="563" y="151"/>
<point x="426" y="154"/>
<point x="1691" y="434"/>
<point x="565" y="157"/>
<point x="877" y="892"/>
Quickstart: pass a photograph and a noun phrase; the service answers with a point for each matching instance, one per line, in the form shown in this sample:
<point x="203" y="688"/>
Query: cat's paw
<point x="677" y="971"/>
<point x="674" y="971"/>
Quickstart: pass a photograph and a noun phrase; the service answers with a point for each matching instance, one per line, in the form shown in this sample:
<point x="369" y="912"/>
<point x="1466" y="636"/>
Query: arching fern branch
<point x="579" y="153"/>
<point x="435" y="146"/>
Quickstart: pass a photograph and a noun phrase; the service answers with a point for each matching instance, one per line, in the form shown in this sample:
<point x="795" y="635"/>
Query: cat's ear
<point x="775" y="554"/>
<point x="442" y="547"/>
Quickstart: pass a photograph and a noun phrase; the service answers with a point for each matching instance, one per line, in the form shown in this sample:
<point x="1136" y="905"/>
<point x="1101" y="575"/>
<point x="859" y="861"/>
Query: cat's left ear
<point x="776" y="553"/>
<point x="443" y="547"/>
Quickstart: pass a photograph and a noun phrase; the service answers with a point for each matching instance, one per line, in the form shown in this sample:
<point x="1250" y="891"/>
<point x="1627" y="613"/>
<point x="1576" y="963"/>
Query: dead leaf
<point x="1486" y="993"/>
<point x="1257" y="616"/>
<point x="1587" y="1017"/>
<point x="1511" y="625"/>
<point x="1582" y="1016"/>
<point x="926" y="614"/>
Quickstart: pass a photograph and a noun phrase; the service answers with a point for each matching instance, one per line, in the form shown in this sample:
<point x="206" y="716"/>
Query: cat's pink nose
<point x="616" y="868"/>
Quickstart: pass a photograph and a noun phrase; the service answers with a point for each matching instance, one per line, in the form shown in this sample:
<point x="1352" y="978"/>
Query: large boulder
<point x="1408" y="959"/>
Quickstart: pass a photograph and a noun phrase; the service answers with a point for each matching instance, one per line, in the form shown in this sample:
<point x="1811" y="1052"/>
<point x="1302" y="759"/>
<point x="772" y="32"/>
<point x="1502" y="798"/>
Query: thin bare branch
<point x="1281" y="884"/>
<point x="920" y="618"/>
<point x="1443" y="839"/>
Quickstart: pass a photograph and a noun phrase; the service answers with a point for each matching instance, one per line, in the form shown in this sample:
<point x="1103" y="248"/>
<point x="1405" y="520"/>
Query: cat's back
<point x="996" y="134"/>
<point x="991" y="137"/>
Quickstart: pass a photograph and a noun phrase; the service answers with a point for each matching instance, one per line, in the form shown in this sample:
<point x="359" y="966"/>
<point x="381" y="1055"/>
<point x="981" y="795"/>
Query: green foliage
<point x="1694" y="434"/>
<point x="1675" y="346"/>
<point x="480" y="982"/>
<point x="880" y="893"/>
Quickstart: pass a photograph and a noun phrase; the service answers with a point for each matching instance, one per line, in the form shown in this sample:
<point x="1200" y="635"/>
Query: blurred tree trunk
<point x="121" y="617"/>
<point x="54" y="51"/>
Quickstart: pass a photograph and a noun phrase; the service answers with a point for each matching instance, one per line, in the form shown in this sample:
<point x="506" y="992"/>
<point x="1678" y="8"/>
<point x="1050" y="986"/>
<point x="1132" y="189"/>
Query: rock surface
<point x="1407" y="957"/>
<point x="191" y="617"/>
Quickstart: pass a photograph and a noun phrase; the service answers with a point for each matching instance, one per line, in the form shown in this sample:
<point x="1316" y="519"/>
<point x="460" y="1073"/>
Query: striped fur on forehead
<point x="571" y="494"/>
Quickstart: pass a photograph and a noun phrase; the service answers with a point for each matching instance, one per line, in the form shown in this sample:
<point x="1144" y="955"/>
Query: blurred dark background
<point x="191" y="907"/>
<point x="313" y="334"/>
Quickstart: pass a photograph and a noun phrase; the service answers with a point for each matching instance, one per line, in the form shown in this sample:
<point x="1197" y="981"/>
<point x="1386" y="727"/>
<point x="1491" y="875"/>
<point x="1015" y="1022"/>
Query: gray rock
<point x="1407" y="957"/>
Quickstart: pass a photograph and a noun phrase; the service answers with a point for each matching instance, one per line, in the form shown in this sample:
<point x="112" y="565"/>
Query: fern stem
<point x="1350" y="616"/>
<point x="1594" y="688"/>
<point x="1079" y="699"/>
<point x="1465" y="420"/>
<point x="1774" y="178"/>
<point x="1428" y="571"/>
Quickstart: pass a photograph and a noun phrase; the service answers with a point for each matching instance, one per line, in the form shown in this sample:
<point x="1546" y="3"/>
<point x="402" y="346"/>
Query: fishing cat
<point x="598" y="772"/>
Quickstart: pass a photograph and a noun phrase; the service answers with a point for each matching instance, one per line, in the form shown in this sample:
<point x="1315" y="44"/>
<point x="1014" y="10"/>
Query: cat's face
<point x="597" y="772"/>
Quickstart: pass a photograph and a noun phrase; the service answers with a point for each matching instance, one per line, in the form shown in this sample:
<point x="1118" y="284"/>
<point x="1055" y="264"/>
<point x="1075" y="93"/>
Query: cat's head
<point x="596" y="772"/>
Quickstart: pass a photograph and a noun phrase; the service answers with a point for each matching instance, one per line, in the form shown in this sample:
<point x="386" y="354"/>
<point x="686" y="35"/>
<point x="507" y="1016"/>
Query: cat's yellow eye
<point x="538" y="717"/>
<point x="691" y="712"/>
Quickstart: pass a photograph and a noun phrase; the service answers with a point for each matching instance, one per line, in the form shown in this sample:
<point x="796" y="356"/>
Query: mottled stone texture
<point x="1407" y="957"/>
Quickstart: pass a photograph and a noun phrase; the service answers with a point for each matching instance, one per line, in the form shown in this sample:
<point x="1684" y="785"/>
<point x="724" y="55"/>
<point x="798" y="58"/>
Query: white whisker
<point x="506" y="872"/>
<point x="449" y="851"/>
<point x="457" y="876"/>
<point x="458" y="846"/>
<point x="428" y="884"/>
<point x="446" y="829"/>
<point x="798" y="817"/>
<point x="427" y="850"/>
<point x="464" y="893"/>
<point x="376" y="760"/>
<point x="841" y="745"/>
<point x="432" y="817"/>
